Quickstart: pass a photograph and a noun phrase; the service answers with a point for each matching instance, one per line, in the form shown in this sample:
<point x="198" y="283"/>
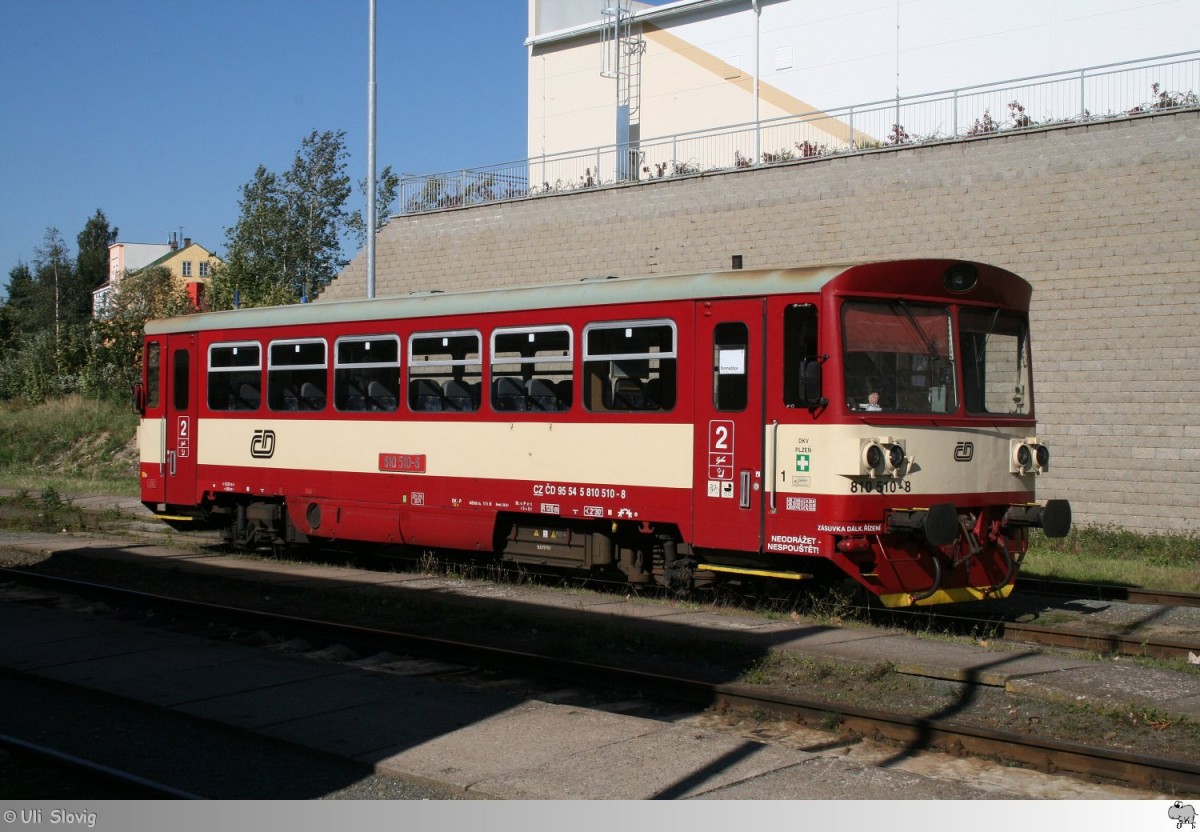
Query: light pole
<point x="371" y="153"/>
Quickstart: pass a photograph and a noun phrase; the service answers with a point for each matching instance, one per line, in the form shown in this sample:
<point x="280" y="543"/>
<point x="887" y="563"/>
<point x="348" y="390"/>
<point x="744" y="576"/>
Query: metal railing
<point x="1092" y="93"/>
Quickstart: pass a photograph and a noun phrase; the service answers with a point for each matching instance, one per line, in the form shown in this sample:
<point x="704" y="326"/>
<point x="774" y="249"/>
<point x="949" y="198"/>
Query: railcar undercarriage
<point x="927" y="558"/>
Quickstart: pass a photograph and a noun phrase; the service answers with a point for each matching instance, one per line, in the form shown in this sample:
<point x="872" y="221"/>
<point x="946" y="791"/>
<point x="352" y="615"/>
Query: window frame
<point x="528" y="401"/>
<point x="728" y="394"/>
<point x="588" y="359"/>
<point x="338" y="365"/>
<point x="411" y="394"/>
<point x="303" y="403"/>
<point x="257" y="368"/>
<point x="152" y="360"/>
<point x="905" y="383"/>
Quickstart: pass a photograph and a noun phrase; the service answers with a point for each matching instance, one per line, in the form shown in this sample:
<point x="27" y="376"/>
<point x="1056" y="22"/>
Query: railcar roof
<point x="596" y="292"/>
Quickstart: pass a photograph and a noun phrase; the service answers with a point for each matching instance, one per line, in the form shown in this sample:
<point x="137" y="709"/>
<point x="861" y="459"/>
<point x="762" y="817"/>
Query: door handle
<point x="771" y="465"/>
<point x="171" y="461"/>
<point x="744" y="494"/>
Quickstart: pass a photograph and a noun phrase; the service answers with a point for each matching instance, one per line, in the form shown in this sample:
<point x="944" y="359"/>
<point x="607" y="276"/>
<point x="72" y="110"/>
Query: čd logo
<point x="262" y="445"/>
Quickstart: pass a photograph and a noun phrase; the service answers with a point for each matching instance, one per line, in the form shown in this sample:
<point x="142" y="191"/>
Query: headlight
<point x="1023" y="457"/>
<point x="961" y="277"/>
<point x="1042" y="454"/>
<point x="1029" y="456"/>
<point x="882" y="456"/>
<point x="872" y="458"/>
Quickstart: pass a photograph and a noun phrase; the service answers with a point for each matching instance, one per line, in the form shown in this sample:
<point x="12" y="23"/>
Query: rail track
<point x="1114" y="644"/>
<point x="124" y="782"/>
<point x="911" y="733"/>
<point x="1089" y="640"/>
<point x="1075" y="638"/>
<point x="996" y="625"/>
<point x="1107" y="592"/>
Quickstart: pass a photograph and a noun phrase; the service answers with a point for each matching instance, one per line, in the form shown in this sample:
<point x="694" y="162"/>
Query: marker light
<point x="961" y="278"/>
<point x="882" y="456"/>
<point x="1029" y="456"/>
<point x="1023" y="456"/>
<point x="1042" y="454"/>
<point x="873" y="456"/>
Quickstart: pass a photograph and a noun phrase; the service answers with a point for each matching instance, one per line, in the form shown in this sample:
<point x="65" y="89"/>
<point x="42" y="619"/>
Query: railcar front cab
<point x="943" y="457"/>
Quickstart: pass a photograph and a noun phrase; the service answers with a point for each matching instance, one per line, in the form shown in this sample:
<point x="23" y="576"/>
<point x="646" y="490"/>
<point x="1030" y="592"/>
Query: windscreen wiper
<point x="929" y="343"/>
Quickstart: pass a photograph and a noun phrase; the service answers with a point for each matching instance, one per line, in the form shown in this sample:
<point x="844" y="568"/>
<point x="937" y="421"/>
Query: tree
<point x="114" y="361"/>
<point x="21" y="308"/>
<point x="91" y="263"/>
<point x="387" y="188"/>
<point x="286" y="243"/>
<point x="54" y="274"/>
<point x="35" y="362"/>
<point x="44" y="323"/>
<point x="258" y="257"/>
<point x="318" y="188"/>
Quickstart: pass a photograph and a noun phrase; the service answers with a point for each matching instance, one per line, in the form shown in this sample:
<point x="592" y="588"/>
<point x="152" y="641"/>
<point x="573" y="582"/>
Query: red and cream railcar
<point x="874" y="420"/>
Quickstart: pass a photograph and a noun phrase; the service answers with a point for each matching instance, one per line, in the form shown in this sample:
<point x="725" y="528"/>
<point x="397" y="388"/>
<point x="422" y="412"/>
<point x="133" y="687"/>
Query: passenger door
<point x="181" y="406"/>
<point x="152" y="432"/>
<point x="728" y="479"/>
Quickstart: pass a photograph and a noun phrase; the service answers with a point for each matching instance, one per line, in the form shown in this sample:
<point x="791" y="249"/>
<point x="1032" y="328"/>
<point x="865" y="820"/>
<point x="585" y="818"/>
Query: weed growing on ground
<point x="1109" y="554"/>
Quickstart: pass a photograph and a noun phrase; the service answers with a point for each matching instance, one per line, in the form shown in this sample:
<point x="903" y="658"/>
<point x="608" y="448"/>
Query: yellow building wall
<point x="680" y="88"/>
<point x="194" y="254"/>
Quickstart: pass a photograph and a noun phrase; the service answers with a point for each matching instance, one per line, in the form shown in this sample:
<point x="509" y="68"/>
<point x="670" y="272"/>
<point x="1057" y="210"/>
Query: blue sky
<point x="157" y="112"/>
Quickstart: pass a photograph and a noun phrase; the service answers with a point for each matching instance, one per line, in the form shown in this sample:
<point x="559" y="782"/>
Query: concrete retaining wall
<point x="1103" y="219"/>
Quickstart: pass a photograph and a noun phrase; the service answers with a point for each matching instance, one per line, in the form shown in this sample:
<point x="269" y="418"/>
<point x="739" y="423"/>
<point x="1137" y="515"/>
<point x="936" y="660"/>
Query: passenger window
<point x="532" y="369"/>
<point x="445" y="371"/>
<point x="731" y="350"/>
<point x="629" y="366"/>
<point x="153" y="374"/>
<point x="234" y="376"/>
<point x="366" y="373"/>
<point x="296" y="375"/>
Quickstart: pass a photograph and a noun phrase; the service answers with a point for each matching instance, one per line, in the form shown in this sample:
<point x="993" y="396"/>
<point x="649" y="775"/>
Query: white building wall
<point x="699" y="59"/>
<point x="123" y="257"/>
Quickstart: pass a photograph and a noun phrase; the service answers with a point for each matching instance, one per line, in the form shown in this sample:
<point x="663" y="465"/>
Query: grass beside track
<point x="71" y="445"/>
<point x="1110" y="555"/>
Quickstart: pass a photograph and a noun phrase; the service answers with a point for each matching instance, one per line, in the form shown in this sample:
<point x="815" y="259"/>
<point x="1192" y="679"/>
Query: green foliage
<point x="1111" y="555"/>
<point x="44" y="338"/>
<point x="387" y="187"/>
<point x="1179" y="549"/>
<point x="68" y="437"/>
<point x="435" y="193"/>
<point x="113" y="361"/>
<point x="64" y="297"/>
<point x="22" y="309"/>
<point x="38" y="366"/>
<point x="27" y="368"/>
<point x="91" y="264"/>
<point x="285" y="244"/>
